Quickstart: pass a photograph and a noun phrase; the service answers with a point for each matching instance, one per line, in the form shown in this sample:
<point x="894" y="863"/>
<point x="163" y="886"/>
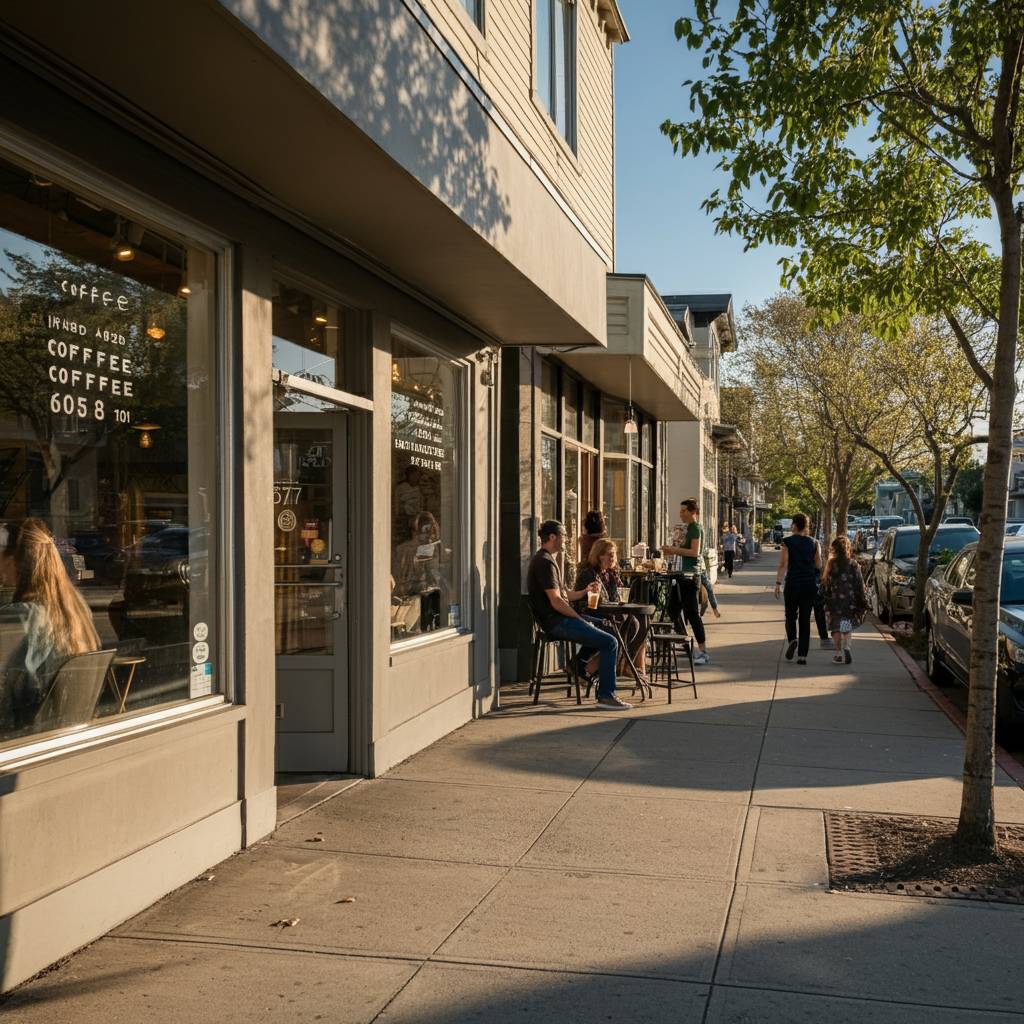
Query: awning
<point x="351" y="120"/>
<point x="728" y="438"/>
<point x="645" y="346"/>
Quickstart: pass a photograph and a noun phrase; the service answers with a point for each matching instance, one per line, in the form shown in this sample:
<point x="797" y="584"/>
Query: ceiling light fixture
<point x="146" y="431"/>
<point x="630" y="424"/>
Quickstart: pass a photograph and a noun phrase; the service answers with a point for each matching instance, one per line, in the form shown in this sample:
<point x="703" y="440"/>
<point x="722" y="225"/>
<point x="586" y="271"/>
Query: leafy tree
<point x="870" y="138"/>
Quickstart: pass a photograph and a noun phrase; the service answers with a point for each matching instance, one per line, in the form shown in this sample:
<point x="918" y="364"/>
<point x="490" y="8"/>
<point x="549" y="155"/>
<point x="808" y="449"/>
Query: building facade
<point x="253" y="301"/>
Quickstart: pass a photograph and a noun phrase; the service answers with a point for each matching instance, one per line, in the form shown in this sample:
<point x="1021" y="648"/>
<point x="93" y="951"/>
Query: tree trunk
<point x="976" y="829"/>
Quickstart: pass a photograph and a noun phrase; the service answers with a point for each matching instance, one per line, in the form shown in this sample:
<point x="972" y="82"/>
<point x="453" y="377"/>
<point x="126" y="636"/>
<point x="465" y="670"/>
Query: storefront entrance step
<point x="298" y="792"/>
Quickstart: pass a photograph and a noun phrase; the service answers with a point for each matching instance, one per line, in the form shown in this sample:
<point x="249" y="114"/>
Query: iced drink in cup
<point x="593" y="597"/>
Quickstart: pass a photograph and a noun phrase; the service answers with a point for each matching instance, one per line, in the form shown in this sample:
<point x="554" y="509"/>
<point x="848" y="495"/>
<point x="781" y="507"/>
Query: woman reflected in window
<point x="55" y="622"/>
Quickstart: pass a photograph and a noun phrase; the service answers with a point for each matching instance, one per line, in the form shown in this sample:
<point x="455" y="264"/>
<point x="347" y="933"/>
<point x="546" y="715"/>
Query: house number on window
<point x="286" y="494"/>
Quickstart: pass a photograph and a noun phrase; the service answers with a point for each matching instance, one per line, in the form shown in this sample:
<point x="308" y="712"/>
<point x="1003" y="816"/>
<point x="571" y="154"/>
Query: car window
<point x="955" y="572"/>
<point x="969" y="574"/>
<point x="945" y="540"/>
<point x="1012" y="591"/>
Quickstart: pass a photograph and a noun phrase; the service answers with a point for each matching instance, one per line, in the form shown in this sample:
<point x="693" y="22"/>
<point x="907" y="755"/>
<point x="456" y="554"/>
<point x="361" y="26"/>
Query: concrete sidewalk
<point x="565" y="864"/>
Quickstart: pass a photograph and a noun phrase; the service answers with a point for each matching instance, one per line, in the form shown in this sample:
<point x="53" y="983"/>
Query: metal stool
<point x="666" y="646"/>
<point x="541" y="642"/>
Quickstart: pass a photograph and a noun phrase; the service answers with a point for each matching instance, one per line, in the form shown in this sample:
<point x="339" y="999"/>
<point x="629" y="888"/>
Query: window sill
<point x="454" y="637"/>
<point x="35" y="752"/>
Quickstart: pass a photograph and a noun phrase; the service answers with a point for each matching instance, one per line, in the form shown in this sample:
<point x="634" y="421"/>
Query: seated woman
<point x="602" y="566"/>
<point x="52" y="619"/>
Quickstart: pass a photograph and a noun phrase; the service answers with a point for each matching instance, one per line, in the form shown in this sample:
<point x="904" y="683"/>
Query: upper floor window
<point x="556" y="63"/>
<point x="475" y="9"/>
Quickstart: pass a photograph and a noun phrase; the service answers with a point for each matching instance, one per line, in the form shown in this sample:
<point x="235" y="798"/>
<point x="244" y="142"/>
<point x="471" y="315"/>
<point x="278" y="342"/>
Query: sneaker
<point x="613" y="703"/>
<point x="790" y="650"/>
<point x="801" y="661"/>
<point x="702" y="658"/>
<point x="837" y="658"/>
<point x="847" y="656"/>
<point x="826" y="644"/>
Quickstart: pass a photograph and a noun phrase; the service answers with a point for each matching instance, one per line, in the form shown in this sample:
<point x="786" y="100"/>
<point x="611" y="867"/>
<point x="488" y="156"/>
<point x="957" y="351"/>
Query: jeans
<point x="585" y="632"/>
<point x="706" y="580"/>
<point x="800" y="602"/>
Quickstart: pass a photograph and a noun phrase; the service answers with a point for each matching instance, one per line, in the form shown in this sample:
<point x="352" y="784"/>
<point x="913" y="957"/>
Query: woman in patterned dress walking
<point x="845" y="598"/>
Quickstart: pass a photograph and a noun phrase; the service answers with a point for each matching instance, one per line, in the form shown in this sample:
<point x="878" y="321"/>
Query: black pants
<point x="730" y="557"/>
<point x="800" y="603"/>
<point x="684" y="603"/>
<point x="819" y="614"/>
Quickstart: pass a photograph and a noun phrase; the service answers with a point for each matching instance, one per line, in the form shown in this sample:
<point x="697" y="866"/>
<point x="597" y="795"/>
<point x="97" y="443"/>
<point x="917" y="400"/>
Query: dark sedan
<point x="894" y="569"/>
<point x="948" y="616"/>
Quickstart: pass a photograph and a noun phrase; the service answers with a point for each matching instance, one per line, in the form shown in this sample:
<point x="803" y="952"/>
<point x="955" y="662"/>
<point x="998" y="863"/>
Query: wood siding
<point x="501" y="58"/>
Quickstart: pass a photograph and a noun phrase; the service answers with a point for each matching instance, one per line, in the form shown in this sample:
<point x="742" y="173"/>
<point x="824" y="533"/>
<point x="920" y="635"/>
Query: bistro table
<point x="610" y="611"/>
<point x="118" y="687"/>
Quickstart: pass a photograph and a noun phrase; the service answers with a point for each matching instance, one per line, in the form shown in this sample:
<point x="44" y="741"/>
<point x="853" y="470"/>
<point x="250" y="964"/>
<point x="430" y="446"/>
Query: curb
<point x="1008" y="764"/>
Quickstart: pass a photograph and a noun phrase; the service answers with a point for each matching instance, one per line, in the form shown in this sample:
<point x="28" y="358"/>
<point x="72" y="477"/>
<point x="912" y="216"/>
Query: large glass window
<point x="549" y="395"/>
<point x="109" y="462"/>
<point x="427" y="530"/>
<point x="555" y="26"/>
<point x="615" y="503"/>
<point x="548" y="477"/>
<point x="309" y="336"/>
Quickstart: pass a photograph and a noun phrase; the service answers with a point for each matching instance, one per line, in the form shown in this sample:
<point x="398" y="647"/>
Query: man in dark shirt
<point x="556" y="616"/>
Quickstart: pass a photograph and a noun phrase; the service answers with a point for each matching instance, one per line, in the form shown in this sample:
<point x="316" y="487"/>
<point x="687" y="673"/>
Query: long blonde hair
<point x="42" y="579"/>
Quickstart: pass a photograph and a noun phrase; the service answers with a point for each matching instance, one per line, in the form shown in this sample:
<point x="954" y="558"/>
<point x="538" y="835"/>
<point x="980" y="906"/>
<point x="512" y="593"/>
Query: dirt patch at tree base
<point x="911" y="856"/>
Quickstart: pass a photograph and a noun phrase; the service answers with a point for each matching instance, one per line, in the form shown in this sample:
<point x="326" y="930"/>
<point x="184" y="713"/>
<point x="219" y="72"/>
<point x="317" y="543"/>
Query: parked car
<point x="160" y="568"/>
<point x="888" y="522"/>
<point x="894" y="569"/>
<point x="948" y="617"/>
<point x="961" y="520"/>
<point x="1014" y="528"/>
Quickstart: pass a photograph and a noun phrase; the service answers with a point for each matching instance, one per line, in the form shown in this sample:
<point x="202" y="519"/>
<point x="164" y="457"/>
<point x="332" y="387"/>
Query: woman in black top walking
<point x="799" y="565"/>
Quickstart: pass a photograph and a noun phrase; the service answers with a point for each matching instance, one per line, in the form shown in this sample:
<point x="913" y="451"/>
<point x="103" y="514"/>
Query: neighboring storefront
<point x="586" y="430"/>
<point x="250" y="385"/>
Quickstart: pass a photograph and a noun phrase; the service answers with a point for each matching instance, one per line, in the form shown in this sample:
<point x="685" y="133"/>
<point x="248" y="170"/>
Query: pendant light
<point x="630" y="425"/>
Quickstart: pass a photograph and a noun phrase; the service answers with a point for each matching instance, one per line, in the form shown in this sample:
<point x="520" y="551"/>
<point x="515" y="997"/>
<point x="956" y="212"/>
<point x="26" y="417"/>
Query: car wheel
<point x="936" y="670"/>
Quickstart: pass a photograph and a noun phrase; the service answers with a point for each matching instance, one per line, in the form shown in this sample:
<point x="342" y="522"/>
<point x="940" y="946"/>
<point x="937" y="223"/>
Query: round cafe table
<point x="610" y="612"/>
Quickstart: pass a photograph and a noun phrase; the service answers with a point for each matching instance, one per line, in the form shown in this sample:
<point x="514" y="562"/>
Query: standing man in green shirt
<point x="686" y="552"/>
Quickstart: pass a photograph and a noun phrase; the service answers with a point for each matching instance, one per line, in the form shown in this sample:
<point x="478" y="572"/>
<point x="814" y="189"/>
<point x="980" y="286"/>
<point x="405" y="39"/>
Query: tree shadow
<point x="376" y="63"/>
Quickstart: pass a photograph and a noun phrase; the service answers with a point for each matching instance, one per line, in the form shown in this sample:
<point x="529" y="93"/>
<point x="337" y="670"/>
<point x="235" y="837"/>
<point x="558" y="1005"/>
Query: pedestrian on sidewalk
<point x="729" y="541"/>
<point x="820" y="620"/>
<point x="684" y="597"/>
<point x="556" y="616"/>
<point x="799" y="564"/>
<point x="847" y="601"/>
<point x="705" y="580"/>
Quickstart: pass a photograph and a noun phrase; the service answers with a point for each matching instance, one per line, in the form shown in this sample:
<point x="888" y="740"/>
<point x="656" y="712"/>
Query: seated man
<point x="557" y="617"/>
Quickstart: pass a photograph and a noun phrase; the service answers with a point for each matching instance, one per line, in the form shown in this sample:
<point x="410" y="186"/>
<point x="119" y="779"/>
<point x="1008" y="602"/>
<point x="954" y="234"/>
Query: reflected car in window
<point x="949" y="614"/>
<point x="894" y="569"/>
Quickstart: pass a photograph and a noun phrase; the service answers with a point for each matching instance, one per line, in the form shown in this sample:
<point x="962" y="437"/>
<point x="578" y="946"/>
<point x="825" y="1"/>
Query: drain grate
<point x="856" y="862"/>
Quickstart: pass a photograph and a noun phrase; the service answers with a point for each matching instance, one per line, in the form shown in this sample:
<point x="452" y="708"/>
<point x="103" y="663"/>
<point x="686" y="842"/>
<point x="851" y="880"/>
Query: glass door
<point x="310" y="615"/>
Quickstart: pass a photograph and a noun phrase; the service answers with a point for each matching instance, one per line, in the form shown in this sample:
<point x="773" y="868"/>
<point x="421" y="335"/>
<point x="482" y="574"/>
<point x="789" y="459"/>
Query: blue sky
<point x="661" y="230"/>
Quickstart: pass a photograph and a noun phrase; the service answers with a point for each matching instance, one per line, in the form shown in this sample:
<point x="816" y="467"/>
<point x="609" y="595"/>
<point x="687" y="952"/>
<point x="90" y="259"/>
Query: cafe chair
<point x="542" y="643"/>
<point x="75" y="691"/>
<point x="666" y="646"/>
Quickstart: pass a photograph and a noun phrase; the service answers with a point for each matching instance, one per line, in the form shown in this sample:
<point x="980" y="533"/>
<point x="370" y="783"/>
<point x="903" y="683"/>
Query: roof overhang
<point x="614" y="25"/>
<point x="727" y="437"/>
<point x="647" y="358"/>
<point x="360" y="130"/>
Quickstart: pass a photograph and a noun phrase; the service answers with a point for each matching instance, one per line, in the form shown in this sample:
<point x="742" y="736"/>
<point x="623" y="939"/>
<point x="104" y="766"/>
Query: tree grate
<point x="857" y="845"/>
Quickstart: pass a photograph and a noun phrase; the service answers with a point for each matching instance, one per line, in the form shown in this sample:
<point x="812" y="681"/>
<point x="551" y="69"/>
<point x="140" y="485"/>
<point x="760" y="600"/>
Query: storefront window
<point x="572" y="408"/>
<point x="589" y="431"/>
<point x="573" y="499"/>
<point x="613" y="415"/>
<point x="427" y="531"/>
<point x="548" y="477"/>
<point x="309" y="336"/>
<point x="615" y="503"/>
<point x="549" y="395"/>
<point x="108" y="462"/>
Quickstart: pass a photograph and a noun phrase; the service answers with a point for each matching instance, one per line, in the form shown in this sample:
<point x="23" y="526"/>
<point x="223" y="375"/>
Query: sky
<point x="661" y="230"/>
